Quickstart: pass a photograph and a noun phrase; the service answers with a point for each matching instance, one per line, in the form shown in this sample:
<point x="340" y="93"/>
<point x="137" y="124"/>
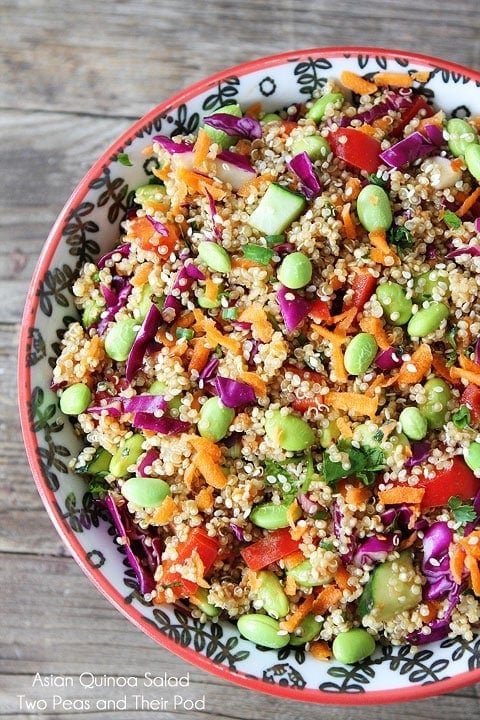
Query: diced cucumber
<point x="277" y="209"/>
<point x="219" y="136"/>
<point x="386" y="592"/>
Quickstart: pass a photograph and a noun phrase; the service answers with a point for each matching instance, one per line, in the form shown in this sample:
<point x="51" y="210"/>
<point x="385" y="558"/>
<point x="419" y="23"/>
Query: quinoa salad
<point x="276" y="372"/>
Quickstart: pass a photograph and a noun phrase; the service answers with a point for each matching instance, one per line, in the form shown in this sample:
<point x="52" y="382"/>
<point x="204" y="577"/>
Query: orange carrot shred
<point x="393" y="79"/>
<point x="356" y="83"/>
<point x="327" y="598"/>
<point x="413" y="370"/>
<point x="204" y="498"/>
<point x="300" y="613"/>
<point x="255" y="381"/>
<point x="165" y="512"/>
<point x="293" y="559"/>
<point x="201" y="149"/>
<point x="355" y="403"/>
<point x="348" y="222"/>
<point x="468" y="203"/>
<point x="290" y="586"/>
<point x="320" y="650"/>
<point x="401" y="494"/>
<point x="205" y="445"/>
<point x="342" y="576"/>
<point x="210" y="470"/>
<point x="457" y="562"/>
<point x="460" y="374"/>
<point x="199" y="357"/>
<point x="375" y="326"/>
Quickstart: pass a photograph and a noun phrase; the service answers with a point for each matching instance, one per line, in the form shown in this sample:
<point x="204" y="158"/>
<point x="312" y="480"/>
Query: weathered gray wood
<point x="73" y="75"/>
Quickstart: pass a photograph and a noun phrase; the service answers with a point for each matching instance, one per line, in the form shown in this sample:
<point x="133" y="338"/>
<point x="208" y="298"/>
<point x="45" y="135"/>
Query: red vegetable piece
<point x="363" y="287"/>
<point x="207" y="548"/>
<point x="319" y="311"/>
<point x="269" y="549"/>
<point x="356" y="148"/>
<point x="417" y="106"/>
<point x="457" y="480"/>
<point x="471" y="398"/>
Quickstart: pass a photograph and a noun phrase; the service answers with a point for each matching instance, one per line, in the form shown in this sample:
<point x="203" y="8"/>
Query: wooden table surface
<point x="73" y="75"/>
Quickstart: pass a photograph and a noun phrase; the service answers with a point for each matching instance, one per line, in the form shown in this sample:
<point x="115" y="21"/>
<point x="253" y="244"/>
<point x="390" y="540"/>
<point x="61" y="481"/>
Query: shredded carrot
<point x="468" y="203"/>
<point x="294" y="559"/>
<point x="375" y="326"/>
<point x="201" y="149"/>
<point x="421" y="76"/>
<point x="245" y="263"/>
<point x="381" y="251"/>
<point x="163" y="172"/>
<point x="467" y="364"/>
<point x="393" y="79"/>
<point x="356" y="83"/>
<point x="344" y="427"/>
<point x="457" y="562"/>
<point x="290" y="586"/>
<point x="320" y="650"/>
<point x="190" y="475"/>
<point x="204" y="445"/>
<point x="211" y="290"/>
<point x="165" y="512"/>
<point x="438" y="119"/>
<point x="334" y="337"/>
<point x="441" y="369"/>
<point x="413" y="370"/>
<point x="254" y="184"/>
<point x="204" y="498"/>
<point x="215" y="337"/>
<point x="262" y="327"/>
<point x="352" y="188"/>
<point x="471" y="544"/>
<point x="255" y="381"/>
<point x="356" y="494"/>
<point x="211" y="471"/>
<point x="457" y="164"/>
<point x="345" y="320"/>
<point x="474" y="570"/>
<point x="300" y="613"/>
<point x="342" y="576"/>
<point x="292" y="513"/>
<point x="433" y="608"/>
<point x="197" y="183"/>
<point x="401" y="494"/>
<point x="457" y="373"/>
<point x="326" y="599"/>
<point x="288" y="126"/>
<point x="368" y="130"/>
<point x="200" y="355"/>
<point x="379" y="382"/>
<point x="147" y="151"/>
<point x="254" y="110"/>
<point x="356" y="404"/>
<point x="140" y="277"/>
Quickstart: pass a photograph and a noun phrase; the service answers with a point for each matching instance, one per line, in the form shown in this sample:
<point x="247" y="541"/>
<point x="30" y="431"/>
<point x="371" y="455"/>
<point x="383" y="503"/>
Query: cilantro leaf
<point x="400" y="237"/>
<point x="452" y="220"/>
<point x="364" y="462"/>
<point x="124" y="159"/>
<point x="463" y="513"/>
<point x="98" y="486"/>
<point x="286" y="483"/>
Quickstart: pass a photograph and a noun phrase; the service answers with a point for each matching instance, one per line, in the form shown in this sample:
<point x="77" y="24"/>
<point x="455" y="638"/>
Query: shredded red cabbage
<point x="477" y="224"/>
<point x="158" y="226"/>
<point x="171" y="146"/>
<point x="147" y="461"/>
<point x="302" y="167"/>
<point x="473" y="250"/>
<point x="113" y="407"/>
<point x="388" y="359"/>
<point x="109" y="314"/>
<point x="407" y="150"/>
<point x="245" y="127"/>
<point x="213" y="212"/>
<point x="210" y="369"/>
<point x="122" y="249"/>
<point x="398" y="519"/>
<point x="420" y="453"/>
<point x="373" y="550"/>
<point x="144" y="336"/>
<point x="393" y="101"/>
<point x="237" y="159"/>
<point x="164" y="425"/>
<point x="233" y="393"/>
<point x="434" y="134"/>
<point x="350" y="540"/>
<point x="308" y="505"/>
<point x="145" y="403"/>
<point x="184" y="280"/>
<point x="294" y="307"/>
<point x="237" y="531"/>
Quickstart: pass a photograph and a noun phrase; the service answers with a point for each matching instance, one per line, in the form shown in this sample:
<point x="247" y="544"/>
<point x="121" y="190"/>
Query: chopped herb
<point x="123" y="159"/>
<point x="461" y="418"/>
<point x="374" y="179"/>
<point x="186" y="333"/>
<point x="327" y="545"/>
<point x="451" y="357"/>
<point x="287" y="484"/>
<point x="452" y="220"/>
<point x="98" y="486"/>
<point x="462" y="512"/>
<point x="273" y="240"/>
<point x="363" y="462"/>
<point x="230" y="313"/>
<point x="400" y="237"/>
<point x="450" y="337"/>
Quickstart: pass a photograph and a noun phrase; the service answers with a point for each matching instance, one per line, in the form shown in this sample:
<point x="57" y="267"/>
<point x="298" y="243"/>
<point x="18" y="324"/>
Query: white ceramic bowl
<point x="87" y="227"/>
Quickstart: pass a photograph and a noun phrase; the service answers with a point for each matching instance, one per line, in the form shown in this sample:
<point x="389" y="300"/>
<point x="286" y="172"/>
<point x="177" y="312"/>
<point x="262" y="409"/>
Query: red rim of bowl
<point x="31" y="306"/>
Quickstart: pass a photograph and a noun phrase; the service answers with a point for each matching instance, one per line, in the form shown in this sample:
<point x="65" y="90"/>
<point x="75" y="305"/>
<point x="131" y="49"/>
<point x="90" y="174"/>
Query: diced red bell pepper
<point x="269" y="549"/>
<point x="319" y="311"/>
<point x="363" y="287"/>
<point x="471" y="398"/>
<point x="418" y="105"/>
<point x="207" y="548"/>
<point x="356" y="148"/>
<point x="457" y="480"/>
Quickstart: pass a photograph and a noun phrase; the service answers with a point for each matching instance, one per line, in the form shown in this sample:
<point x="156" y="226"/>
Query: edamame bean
<point x="427" y="320"/>
<point x="319" y="108"/>
<point x="289" y="432"/>
<point x="262" y="630"/>
<point x="270" y="592"/>
<point x="270" y="117"/>
<point x="145" y="194"/>
<point x="360" y="353"/>
<point x="472" y="159"/>
<point x="397" y="308"/>
<point x="126" y="455"/>
<point x="200" y="599"/>
<point x="316" y="147"/>
<point x="460" y="135"/>
<point x="145" y="491"/>
<point x="472" y="455"/>
<point x="329" y="434"/>
<point x="214" y="256"/>
<point x="215" y="419"/>
<point x="306" y="631"/>
<point x="413" y="423"/>
<point x="295" y="271"/>
<point x="75" y="399"/>
<point x="145" y="302"/>
<point x="374" y="209"/>
<point x="434" y="410"/>
<point x="352" y="646"/>
<point x="433" y="282"/>
<point x="271" y="516"/>
<point x="120" y="338"/>
<point x="304" y="575"/>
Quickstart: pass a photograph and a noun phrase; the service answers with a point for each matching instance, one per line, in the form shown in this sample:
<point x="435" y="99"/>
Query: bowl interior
<point x="88" y="226"/>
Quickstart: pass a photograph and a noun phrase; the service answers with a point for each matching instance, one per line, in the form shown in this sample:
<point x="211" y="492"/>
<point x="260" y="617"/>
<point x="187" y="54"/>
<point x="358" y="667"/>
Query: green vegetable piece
<point x="471" y="455"/>
<point x="434" y="410"/>
<point x="215" y="419"/>
<point x="289" y="432"/>
<point x="277" y="210"/>
<point x="145" y="194"/>
<point x="427" y="320"/>
<point x="306" y="631"/>
<point x="461" y="418"/>
<point x="271" y="516"/>
<point x="258" y="253"/>
<point x="100" y="462"/>
<point x="214" y="256"/>
<point x="460" y="135"/>
<point x="271" y="593"/>
<point x="316" y="147"/>
<point x="120" y="338"/>
<point x="304" y="575"/>
<point x="374" y="209"/>
<point x="364" y="462"/>
<point x="430" y="283"/>
<point x="413" y="423"/>
<point x="320" y="107"/>
<point x="462" y="512"/>
<point x="352" y="646"/>
<point x="360" y="353"/>
<point x="145" y="491"/>
<point x="262" y="630"/>
<point x="126" y="455"/>
<point x="472" y="159"/>
<point x="270" y="117"/>
<point x="220" y="136"/>
<point x="397" y="308"/>
<point x="329" y="434"/>
<point x="75" y="399"/>
<point x="295" y="270"/>
<point x="91" y="313"/>
<point x="387" y="593"/>
<point x="200" y="599"/>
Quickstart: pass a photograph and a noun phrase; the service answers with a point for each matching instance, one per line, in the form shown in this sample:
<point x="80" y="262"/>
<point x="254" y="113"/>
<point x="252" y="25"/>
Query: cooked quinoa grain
<point x="278" y="479"/>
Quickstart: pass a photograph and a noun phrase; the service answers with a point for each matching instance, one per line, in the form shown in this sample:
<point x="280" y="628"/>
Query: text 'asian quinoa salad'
<point x="277" y="371"/>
